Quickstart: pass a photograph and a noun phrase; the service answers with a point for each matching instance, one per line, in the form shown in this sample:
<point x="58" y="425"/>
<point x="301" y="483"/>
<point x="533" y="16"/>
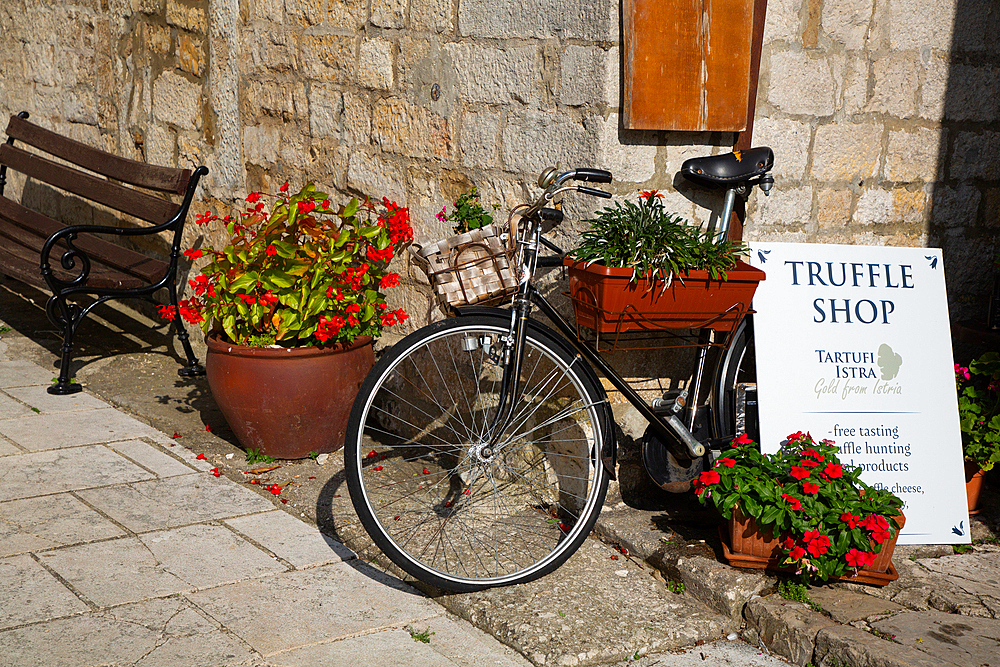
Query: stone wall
<point x="883" y="113"/>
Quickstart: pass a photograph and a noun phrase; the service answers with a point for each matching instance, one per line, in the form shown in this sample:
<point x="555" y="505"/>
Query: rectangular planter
<point x="752" y="548"/>
<point x="604" y="299"/>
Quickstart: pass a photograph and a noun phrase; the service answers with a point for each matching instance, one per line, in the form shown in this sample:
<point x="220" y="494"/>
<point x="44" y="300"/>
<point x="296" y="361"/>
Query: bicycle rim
<point x="436" y="498"/>
<point x="737" y="366"/>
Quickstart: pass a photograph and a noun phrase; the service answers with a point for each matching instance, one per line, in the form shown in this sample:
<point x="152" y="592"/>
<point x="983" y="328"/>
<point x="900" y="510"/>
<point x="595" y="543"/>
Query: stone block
<point x="973" y="93"/>
<point x="973" y="156"/>
<point x="190" y="54"/>
<point x="781" y="21"/>
<point x="855" y="81"/>
<point x="376" y="177"/>
<point x="786" y="628"/>
<point x="833" y="208"/>
<point x="913" y="155"/>
<point x="326" y="110"/>
<point x="848" y="22"/>
<point x="534" y="140"/>
<point x="628" y="154"/>
<point x="875" y="207"/>
<point x="493" y="75"/>
<point x="954" y="207"/>
<point x="914" y="24"/>
<point x="388" y="13"/>
<point x="159" y="144"/>
<point x="276" y="52"/>
<point x="187" y="17"/>
<point x="276" y="99"/>
<point x="260" y="144"/>
<point x="357" y="120"/>
<point x="432" y="16"/>
<point x="589" y="75"/>
<point x="347" y="14"/>
<point x="801" y="84"/>
<point x="375" y="64"/>
<point x="909" y="206"/>
<point x="479" y="139"/>
<point x="176" y="100"/>
<point x="847" y="151"/>
<point x="329" y="57"/>
<point x="410" y="129"/>
<point x="933" y="90"/>
<point x="587" y="20"/>
<point x="304" y="12"/>
<point x="850" y="646"/>
<point x="725" y="589"/>
<point x="895" y="90"/>
<point x="157" y="38"/>
<point x="789" y="140"/>
<point x="785" y="207"/>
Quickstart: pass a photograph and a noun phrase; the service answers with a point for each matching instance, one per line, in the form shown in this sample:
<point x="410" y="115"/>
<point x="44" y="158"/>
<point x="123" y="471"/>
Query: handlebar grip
<point x="593" y="175"/>
<point x="551" y="215"/>
<point x="593" y="192"/>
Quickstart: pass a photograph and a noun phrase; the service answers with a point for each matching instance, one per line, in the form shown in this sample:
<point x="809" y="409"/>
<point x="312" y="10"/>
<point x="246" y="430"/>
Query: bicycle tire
<point x="736" y="365"/>
<point x="437" y="505"/>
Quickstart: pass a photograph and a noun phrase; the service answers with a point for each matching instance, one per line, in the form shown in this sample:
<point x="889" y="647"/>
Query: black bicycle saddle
<point x="728" y="169"/>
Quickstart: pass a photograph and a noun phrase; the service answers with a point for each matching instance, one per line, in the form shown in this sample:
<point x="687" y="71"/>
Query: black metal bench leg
<point x="63" y="315"/>
<point x="194" y="367"/>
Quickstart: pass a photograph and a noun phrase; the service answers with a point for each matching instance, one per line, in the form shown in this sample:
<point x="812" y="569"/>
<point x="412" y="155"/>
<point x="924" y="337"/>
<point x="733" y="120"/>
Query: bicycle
<point x="479" y="448"/>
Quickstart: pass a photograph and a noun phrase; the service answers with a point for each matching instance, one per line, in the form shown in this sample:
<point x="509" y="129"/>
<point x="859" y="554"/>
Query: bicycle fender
<point x="609" y="448"/>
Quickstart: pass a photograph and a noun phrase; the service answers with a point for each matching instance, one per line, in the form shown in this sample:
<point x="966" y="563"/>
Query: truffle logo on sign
<point x="888" y="361"/>
<point x="846" y="373"/>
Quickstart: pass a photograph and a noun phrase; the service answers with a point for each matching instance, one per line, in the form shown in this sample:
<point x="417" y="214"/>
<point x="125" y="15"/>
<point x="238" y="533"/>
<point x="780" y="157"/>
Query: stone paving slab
<point x="977" y="573"/>
<point x="20" y="373"/>
<point x="10" y="408"/>
<point x="35" y="524"/>
<point x="38" y="595"/>
<point x="787" y="628"/>
<point x="158" y="564"/>
<point x="151" y="458"/>
<point x="60" y="470"/>
<point x="37" y="396"/>
<point x="297" y="609"/>
<point x="175" y="501"/>
<point x="167" y="633"/>
<point x="291" y="540"/>
<point x="962" y="640"/>
<point x="7" y="448"/>
<point x="846" y="645"/>
<point x="71" y="429"/>
<point x="845" y="606"/>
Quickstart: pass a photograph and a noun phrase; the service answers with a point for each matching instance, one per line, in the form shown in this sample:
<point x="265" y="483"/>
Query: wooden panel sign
<point x="687" y="64"/>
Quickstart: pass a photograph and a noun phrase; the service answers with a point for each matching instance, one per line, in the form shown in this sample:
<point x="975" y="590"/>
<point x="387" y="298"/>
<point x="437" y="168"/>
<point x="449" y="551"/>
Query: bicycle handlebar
<point x="593" y="175"/>
<point x="593" y="191"/>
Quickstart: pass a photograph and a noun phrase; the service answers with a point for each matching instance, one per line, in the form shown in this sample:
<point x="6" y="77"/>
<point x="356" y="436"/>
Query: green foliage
<point x="961" y="548"/>
<point x="256" y="456"/>
<point x="313" y="455"/>
<point x="676" y="586"/>
<point x="424" y="636"/>
<point x="979" y="409"/>
<point x="298" y="273"/>
<point x="655" y="244"/>
<point x="796" y="592"/>
<point x="828" y="520"/>
<point x="468" y="213"/>
<point x="4" y="329"/>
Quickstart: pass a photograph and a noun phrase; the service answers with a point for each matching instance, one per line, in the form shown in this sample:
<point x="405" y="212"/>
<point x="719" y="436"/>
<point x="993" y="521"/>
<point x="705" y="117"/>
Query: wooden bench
<point x="77" y="260"/>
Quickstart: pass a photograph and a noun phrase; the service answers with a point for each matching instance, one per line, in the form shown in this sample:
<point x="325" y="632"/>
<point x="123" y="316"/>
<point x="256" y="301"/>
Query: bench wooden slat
<point x="33" y="229"/>
<point x="133" y="202"/>
<point x="163" y="179"/>
<point x="22" y="262"/>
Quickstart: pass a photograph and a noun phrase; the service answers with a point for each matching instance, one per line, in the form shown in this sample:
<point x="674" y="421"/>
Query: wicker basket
<point x="474" y="267"/>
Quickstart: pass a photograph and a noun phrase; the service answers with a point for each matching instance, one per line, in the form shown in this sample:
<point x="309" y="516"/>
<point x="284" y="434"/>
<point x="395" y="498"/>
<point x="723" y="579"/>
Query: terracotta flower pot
<point x="606" y="301"/>
<point x="287" y="402"/>
<point x="753" y="548"/>
<point x="973" y="485"/>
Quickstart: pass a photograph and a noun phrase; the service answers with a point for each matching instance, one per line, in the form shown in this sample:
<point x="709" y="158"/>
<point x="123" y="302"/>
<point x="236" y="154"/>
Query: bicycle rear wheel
<point x="735" y="389"/>
<point x="432" y="493"/>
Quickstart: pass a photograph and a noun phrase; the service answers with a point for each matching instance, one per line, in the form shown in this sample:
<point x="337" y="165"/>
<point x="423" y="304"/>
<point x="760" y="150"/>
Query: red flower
<point x="880" y="536"/>
<point x="208" y="428"/>
<point x="806" y="463"/>
<point x="377" y="468"/>
<point x="797" y="553"/>
<point x="214" y="471"/>
<point x="353" y="308"/>
<point x="729" y="463"/>
<point x="253" y="197"/>
<point x="201" y="457"/>
<point x="425" y="471"/>
<point x="744" y="439"/>
<point x="389" y="280"/>
<point x="271" y="251"/>
<point x="205" y="218"/>
<point x="834" y="470"/>
<point x="379" y="255"/>
<point x="167" y="312"/>
<point x="875" y="522"/>
<point x="306" y="206"/>
<point x="284" y="188"/>
<point x="190" y="312"/>
<point x="857" y="558"/>
<point x="371" y="454"/>
<point x="810" y="488"/>
<point x="710" y="477"/>
<point x="274" y="489"/>
<point x="792" y="501"/>
<point x="850" y="519"/>
<point x="798" y="472"/>
<point x="813" y="453"/>
<point x="193" y="253"/>
<point x="816" y="544"/>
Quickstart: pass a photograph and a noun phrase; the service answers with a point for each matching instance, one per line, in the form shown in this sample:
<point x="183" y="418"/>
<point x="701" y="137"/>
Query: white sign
<point x="853" y="344"/>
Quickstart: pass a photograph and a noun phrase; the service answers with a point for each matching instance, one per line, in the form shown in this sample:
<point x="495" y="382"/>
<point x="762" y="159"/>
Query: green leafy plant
<point x="299" y="273"/>
<point x="643" y="236"/>
<point x="424" y="636"/>
<point x="796" y="592"/>
<point x="313" y="455"/>
<point x="4" y="329"/>
<point x="828" y="520"/>
<point x="467" y="213"/>
<point x="256" y="456"/>
<point x="676" y="586"/>
<point x="979" y="409"/>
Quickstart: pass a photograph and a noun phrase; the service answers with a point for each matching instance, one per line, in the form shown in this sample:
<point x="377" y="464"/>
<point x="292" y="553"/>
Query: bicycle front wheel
<point x="735" y="390"/>
<point x="446" y="501"/>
